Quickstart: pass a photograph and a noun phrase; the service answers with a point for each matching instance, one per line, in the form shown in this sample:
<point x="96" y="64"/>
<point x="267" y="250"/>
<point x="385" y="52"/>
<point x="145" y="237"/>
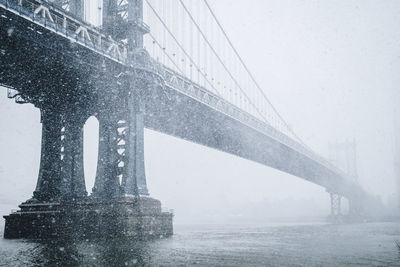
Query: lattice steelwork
<point x="76" y="7"/>
<point x="65" y="4"/>
<point x="121" y="144"/>
<point x="335" y="204"/>
<point x="122" y="20"/>
<point x="122" y="9"/>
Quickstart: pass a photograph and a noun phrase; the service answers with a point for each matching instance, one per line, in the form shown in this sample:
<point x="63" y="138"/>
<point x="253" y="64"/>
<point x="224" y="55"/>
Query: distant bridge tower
<point x="397" y="165"/>
<point x="396" y="129"/>
<point x="344" y="156"/>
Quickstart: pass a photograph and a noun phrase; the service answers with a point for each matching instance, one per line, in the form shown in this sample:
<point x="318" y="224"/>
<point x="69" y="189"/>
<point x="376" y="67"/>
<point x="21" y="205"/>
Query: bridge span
<point x="72" y="70"/>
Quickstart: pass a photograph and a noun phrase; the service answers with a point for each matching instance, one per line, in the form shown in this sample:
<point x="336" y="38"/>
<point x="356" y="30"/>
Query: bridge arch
<point x="90" y="151"/>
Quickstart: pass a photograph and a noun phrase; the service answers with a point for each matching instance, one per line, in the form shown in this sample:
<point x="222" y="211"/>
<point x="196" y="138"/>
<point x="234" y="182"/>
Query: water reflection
<point x="221" y="245"/>
<point x="117" y="252"/>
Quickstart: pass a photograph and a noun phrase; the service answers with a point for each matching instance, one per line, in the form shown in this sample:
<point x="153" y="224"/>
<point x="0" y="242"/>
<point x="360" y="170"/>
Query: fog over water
<point x="329" y="67"/>
<point x="222" y="245"/>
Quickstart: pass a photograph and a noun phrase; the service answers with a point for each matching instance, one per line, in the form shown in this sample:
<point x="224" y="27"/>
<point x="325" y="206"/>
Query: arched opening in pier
<point x="90" y="151"/>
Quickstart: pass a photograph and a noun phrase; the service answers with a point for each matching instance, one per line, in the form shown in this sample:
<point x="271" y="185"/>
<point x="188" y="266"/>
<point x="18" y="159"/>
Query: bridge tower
<point x="117" y="205"/>
<point x="122" y="127"/>
<point x="120" y="170"/>
<point x="344" y="156"/>
<point x="396" y="129"/>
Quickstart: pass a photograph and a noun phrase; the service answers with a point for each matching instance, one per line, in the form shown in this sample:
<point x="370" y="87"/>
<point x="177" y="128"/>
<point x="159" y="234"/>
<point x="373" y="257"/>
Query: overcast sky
<point x="330" y="68"/>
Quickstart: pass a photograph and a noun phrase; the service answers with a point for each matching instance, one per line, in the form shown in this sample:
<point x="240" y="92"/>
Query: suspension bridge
<point x="164" y="65"/>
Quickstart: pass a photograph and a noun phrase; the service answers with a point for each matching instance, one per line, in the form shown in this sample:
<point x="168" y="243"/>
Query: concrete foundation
<point x="140" y="218"/>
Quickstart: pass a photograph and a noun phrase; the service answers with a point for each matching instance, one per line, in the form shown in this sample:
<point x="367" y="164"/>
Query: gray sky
<point x="328" y="66"/>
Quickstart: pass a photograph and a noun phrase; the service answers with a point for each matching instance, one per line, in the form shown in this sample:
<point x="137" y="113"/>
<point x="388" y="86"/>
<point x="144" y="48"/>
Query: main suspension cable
<point x="251" y="76"/>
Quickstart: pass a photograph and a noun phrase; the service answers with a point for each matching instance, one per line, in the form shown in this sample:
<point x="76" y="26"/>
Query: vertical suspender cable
<point x="176" y="40"/>
<point x="191" y="41"/>
<point x="235" y="82"/>
<point x="198" y="45"/>
<point x="184" y="40"/>
<point x="204" y="43"/>
<point x="164" y="14"/>
<point x="251" y="76"/>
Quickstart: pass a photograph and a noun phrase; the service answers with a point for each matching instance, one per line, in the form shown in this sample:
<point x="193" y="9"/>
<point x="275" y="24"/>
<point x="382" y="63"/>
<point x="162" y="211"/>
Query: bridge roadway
<point x="41" y="58"/>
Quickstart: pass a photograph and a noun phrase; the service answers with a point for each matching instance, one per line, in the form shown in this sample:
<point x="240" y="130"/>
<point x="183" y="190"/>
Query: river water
<point x="368" y="244"/>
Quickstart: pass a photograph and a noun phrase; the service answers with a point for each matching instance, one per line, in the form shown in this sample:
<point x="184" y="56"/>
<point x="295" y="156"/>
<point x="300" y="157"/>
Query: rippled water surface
<point x="371" y="244"/>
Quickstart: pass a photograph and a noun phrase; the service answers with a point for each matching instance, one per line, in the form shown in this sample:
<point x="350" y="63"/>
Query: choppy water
<point x="371" y="244"/>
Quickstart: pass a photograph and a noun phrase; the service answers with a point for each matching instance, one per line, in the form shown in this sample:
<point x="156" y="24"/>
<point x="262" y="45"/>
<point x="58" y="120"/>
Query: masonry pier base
<point x="131" y="217"/>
